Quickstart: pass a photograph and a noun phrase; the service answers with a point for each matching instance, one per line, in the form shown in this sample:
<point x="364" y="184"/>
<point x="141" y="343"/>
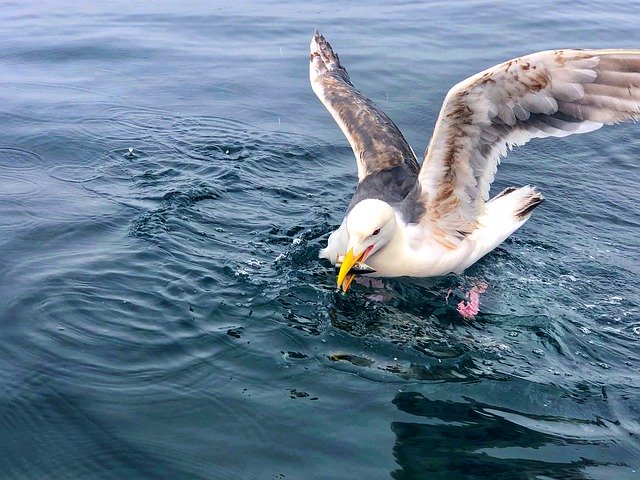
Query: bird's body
<point x="410" y="253"/>
<point x="430" y="220"/>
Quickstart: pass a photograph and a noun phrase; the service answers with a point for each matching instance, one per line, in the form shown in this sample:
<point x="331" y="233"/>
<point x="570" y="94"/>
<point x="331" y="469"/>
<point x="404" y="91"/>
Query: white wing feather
<point x="546" y="94"/>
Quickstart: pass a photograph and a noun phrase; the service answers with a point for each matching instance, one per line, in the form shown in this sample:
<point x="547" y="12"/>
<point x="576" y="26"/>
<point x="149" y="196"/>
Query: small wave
<point x="14" y="160"/>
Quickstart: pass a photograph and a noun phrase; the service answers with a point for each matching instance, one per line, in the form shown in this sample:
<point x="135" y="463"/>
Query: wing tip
<point x="318" y="43"/>
<point x="323" y="59"/>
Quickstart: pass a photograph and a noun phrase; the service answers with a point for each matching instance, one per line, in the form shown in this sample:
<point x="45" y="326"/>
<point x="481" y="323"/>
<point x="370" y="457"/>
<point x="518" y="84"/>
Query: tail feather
<point x="532" y="201"/>
<point x="504" y="192"/>
<point x="518" y="202"/>
<point x="504" y="214"/>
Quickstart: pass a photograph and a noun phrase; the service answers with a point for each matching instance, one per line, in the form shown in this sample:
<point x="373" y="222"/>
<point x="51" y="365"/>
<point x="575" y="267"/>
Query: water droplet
<point x="254" y="263"/>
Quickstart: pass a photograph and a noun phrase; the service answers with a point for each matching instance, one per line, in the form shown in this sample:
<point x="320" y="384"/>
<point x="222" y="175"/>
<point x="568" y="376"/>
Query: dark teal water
<point x="163" y="313"/>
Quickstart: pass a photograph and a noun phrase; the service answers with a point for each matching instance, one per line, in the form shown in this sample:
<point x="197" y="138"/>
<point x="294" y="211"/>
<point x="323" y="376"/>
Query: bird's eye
<point x="375" y="232"/>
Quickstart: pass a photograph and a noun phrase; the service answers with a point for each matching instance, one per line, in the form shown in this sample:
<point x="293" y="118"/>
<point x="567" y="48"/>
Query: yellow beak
<point x="344" y="277"/>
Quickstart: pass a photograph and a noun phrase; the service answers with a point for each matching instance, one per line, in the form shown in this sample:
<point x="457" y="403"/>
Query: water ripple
<point x="165" y="312"/>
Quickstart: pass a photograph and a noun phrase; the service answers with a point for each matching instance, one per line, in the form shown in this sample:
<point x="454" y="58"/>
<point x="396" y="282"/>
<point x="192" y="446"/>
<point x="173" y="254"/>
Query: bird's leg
<point x="470" y="307"/>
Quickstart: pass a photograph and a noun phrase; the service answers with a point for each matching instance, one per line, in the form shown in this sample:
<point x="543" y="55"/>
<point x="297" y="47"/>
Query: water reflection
<point x="470" y="439"/>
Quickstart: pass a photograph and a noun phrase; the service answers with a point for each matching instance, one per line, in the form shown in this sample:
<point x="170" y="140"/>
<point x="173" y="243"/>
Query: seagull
<point x="431" y="220"/>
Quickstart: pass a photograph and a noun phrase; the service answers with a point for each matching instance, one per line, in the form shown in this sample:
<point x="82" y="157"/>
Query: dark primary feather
<point x="376" y="141"/>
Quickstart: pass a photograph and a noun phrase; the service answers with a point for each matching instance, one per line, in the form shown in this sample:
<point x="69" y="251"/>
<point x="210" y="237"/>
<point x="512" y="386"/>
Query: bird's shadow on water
<point x="413" y="319"/>
<point x="473" y="440"/>
<point x="492" y="428"/>
<point x="411" y="308"/>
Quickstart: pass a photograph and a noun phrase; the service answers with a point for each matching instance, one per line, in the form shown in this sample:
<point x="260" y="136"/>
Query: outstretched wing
<point x="376" y="141"/>
<point x="546" y="94"/>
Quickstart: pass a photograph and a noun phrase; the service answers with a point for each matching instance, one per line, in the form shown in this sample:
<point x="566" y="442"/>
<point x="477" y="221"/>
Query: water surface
<point x="167" y="178"/>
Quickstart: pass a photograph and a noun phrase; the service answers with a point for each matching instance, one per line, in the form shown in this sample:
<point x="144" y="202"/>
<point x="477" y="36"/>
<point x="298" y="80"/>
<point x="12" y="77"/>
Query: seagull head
<point x="371" y="225"/>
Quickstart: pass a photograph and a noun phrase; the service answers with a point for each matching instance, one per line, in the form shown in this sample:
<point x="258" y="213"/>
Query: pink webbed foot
<point x="470" y="307"/>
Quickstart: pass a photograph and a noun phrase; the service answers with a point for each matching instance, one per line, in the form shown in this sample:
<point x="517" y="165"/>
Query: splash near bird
<point x="423" y="221"/>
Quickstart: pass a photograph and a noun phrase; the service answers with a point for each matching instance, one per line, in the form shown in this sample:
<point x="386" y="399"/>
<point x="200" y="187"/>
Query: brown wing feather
<point x="553" y="93"/>
<point x="376" y="141"/>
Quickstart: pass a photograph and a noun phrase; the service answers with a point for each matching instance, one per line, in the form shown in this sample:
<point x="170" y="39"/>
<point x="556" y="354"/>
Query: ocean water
<point x="167" y="178"/>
